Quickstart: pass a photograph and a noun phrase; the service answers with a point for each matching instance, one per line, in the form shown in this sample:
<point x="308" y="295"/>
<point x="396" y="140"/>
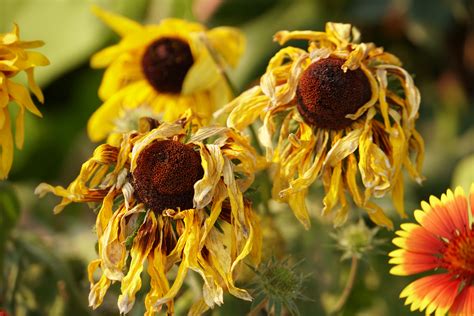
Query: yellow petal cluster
<point x="125" y="88"/>
<point x="365" y="159"/>
<point x="15" y="58"/>
<point x="212" y="238"/>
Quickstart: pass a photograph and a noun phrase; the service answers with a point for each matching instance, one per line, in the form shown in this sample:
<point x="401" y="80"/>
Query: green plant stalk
<point x="348" y="288"/>
<point x="266" y="196"/>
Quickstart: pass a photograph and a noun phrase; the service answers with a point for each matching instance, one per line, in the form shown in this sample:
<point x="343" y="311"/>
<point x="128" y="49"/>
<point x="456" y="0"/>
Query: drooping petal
<point x="159" y="285"/>
<point x="6" y="145"/>
<point x="213" y="165"/>
<point x="228" y="42"/>
<point x="20" y="94"/>
<point x="142" y="246"/>
<point x="121" y="25"/>
<point x="98" y="289"/>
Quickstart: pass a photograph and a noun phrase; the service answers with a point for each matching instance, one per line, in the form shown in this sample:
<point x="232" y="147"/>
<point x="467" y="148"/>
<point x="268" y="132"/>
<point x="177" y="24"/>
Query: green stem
<point x="220" y="64"/>
<point x="266" y="194"/>
<point x="256" y="310"/>
<point x="254" y="134"/>
<point x="16" y="282"/>
<point x="348" y="288"/>
<point x="265" y="190"/>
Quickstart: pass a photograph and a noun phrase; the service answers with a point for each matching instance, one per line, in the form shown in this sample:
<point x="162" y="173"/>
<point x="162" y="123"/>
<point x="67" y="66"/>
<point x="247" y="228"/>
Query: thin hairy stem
<point x="348" y="288"/>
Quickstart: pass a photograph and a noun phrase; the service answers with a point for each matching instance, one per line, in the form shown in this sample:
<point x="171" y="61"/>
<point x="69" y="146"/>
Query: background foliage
<point x="44" y="257"/>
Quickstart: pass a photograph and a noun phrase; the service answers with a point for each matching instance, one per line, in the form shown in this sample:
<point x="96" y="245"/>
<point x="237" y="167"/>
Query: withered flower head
<point x="342" y="112"/>
<point x="169" y="195"/>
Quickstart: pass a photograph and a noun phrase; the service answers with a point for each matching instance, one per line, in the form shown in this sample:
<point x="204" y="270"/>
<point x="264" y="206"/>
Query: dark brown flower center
<point x="326" y="94"/>
<point x="458" y="258"/>
<point x="165" y="175"/>
<point x="166" y="63"/>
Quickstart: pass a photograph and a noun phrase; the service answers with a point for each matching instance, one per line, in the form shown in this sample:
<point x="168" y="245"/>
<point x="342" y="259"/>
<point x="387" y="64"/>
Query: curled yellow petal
<point x="142" y="245"/>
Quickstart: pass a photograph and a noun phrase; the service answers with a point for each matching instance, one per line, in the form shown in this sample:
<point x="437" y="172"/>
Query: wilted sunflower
<point x="15" y="58"/>
<point x="169" y="196"/>
<point x="340" y="111"/>
<point x="167" y="68"/>
<point x="442" y="242"/>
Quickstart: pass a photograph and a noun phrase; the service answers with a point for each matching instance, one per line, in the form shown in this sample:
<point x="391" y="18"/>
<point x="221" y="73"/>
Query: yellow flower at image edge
<point x="170" y="198"/>
<point x="441" y="242"/>
<point x="165" y="68"/>
<point x="341" y="111"/>
<point x="15" y="58"/>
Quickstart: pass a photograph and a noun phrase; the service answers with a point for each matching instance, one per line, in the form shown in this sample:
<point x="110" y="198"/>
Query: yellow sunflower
<point x="14" y="58"/>
<point x="167" y="68"/>
<point x="170" y="195"/>
<point x="340" y="111"/>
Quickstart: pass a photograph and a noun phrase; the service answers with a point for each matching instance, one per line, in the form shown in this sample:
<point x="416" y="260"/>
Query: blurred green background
<point x="45" y="256"/>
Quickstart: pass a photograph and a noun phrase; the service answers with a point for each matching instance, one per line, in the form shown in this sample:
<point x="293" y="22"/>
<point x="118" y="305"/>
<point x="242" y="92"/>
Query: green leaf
<point x="183" y="9"/>
<point x="34" y="249"/>
<point x="138" y="223"/>
<point x="464" y="173"/>
<point x="9" y="208"/>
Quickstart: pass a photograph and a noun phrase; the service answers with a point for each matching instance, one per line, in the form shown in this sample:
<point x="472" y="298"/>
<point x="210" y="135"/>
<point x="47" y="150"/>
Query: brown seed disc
<point x="165" y="175"/>
<point x="326" y="94"/>
<point x="165" y="64"/>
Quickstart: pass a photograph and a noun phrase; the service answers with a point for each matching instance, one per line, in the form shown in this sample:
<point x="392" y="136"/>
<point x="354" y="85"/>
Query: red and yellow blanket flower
<point x="171" y="196"/>
<point x="442" y="243"/>
<point x="16" y="57"/>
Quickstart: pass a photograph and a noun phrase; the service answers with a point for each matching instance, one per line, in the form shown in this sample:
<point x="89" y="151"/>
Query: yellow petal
<point x="33" y="86"/>
<point x="249" y="241"/>
<point x="246" y="108"/>
<point x="120" y="24"/>
<point x="343" y="147"/>
<point x="98" y="291"/>
<point x="186" y="242"/>
<point x="298" y="205"/>
<point x="198" y="308"/>
<point x="112" y="251"/>
<point x="332" y="195"/>
<point x="235" y="195"/>
<point x="106" y="56"/>
<point x="204" y="73"/>
<point x="373" y="99"/>
<point x="284" y="36"/>
<point x="228" y="42"/>
<point x="343" y="32"/>
<point x="212" y="163"/>
<point x="20" y="94"/>
<point x="124" y="69"/>
<point x="377" y="215"/>
<point x="20" y="128"/>
<point x="142" y="245"/>
<point x="351" y="179"/>
<point x="102" y="121"/>
<point x="216" y="208"/>
<point x="6" y="146"/>
<point x="157" y="263"/>
<point x="398" y="194"/>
